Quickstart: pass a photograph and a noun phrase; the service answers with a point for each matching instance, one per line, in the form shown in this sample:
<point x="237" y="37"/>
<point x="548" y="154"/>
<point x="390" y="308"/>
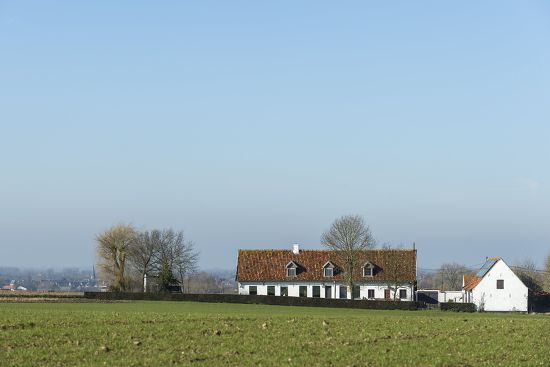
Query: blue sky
<point x="255" y="124"/>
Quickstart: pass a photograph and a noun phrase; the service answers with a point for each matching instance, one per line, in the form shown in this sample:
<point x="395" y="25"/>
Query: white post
<point x="144" y="283"/>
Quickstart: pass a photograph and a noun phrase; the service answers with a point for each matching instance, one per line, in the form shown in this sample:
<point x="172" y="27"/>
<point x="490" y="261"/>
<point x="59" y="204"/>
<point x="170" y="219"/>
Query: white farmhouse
<point x="379" y="274"/>
<point x="495" y="288"/>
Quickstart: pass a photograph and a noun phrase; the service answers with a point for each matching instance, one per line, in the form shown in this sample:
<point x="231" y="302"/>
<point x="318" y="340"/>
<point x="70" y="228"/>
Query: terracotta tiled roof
<point x="270" y="265"/>
<point x="470" y="282"/>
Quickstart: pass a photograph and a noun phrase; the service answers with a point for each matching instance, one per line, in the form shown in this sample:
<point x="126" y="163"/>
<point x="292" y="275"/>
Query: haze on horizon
<point x="255" y="125"/>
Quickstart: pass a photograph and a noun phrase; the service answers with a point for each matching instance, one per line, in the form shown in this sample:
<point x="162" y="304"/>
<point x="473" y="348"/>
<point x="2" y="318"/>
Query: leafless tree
<point x="186" y="259"/>
<point x="163" y="264"/>
<point x="348" y="236"/>
<point x="526" y="270"/>
<point x="113" y="247"/>
<point x="204" y="282"/>
<point x="450" y="276"/>
<point x="392" y="269"/>
<point x="546" y="274"/>
<point x="142" y="255"/>
<point x="174" y="258"/>
<point x="427" y="280"/>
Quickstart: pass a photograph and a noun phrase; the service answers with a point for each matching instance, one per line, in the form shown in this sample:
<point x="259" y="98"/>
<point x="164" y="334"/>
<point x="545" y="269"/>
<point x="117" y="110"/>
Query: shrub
<point x="457" y="307"/>
<point x="267" y="300"/>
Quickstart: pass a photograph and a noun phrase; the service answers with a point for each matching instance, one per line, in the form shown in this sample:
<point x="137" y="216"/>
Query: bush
<point x="457" y="307"/>
<point x="266" y="300"/>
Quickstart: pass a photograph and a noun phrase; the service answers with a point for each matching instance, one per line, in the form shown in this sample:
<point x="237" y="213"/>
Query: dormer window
<point x="328" y="270"/>
<point x="368" y="270"/>
<point x="291" y="269"/>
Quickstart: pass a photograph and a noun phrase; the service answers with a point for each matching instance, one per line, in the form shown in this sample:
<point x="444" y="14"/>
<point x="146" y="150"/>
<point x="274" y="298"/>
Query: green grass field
<point x="202" y="334"/>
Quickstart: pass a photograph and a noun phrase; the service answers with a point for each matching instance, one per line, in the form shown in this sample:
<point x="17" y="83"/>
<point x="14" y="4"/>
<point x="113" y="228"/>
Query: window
<point x="284" y="291"/>
<point x="402" y="294"/>
<point x="303" y="291"/>
<point x="356" y="292"/>
<point x="291" y="269"/>
<point x="252" y="290"/>
<point x="316" y="291"/>
<point x="270" y="290"/>
<point x="328" y="269"/>
<point x="368" y="270"/>
<point x="370" y="294"/>
<point x="343" y="292"/>
<point x="500" y="284"/>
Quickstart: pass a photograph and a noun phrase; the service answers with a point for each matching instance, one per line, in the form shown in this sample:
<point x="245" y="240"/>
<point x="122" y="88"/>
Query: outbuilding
<point x="496" y="287"/>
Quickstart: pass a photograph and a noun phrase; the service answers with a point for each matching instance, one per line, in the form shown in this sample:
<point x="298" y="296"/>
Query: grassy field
<point x="202" y="334"/>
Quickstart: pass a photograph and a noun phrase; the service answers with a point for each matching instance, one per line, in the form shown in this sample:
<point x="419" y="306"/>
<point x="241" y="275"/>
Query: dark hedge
<point x="31" y="294"/>
<point x="539" y="302"/>
<point x="266" y="300"/>
<point x="458" y="307"/>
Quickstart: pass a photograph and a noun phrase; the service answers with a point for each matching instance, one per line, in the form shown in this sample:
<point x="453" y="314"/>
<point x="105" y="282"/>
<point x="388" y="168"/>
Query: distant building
<point x="379" y="274"/>
<point x="496" y="288"/>
<point x="435" y="296"/>
<point x="9" y="287"/>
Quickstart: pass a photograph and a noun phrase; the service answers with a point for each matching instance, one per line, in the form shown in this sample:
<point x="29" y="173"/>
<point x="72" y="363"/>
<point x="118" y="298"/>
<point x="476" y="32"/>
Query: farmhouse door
<point x="328" y="291"/>
<point x="387" y="294"/>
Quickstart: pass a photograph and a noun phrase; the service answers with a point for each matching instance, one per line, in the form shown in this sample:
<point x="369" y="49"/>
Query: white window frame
<point x="328" y="266"/>
<point x="291" y="266"/>
<point x="370" y="267"/>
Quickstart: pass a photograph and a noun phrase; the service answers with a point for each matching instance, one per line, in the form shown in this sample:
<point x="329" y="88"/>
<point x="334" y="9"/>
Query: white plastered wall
<point x="513" y="297"/>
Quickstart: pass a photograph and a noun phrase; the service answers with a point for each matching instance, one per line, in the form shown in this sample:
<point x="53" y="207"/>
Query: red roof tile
<point x="470" y="282"/>
<point x="270" y="265"/>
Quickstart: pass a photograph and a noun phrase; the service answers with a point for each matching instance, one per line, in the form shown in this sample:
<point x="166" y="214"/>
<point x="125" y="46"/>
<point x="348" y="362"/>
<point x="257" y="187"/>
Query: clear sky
<point x="255" y="124"/>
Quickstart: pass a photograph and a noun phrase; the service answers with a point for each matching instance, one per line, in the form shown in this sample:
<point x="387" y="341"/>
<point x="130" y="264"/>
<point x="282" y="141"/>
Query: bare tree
<point x="142" y="255"/>
<point x="450" y="276"/>
<point x="113" y="247"/>
<point x="392" y="269"/>
<point x="546" y="274"/>
<point x="426" y="280"/>
<point x="526" y="270"/>
<point x="212" y="282"/>
<point x="348" y="236"/>
<point x="204" y="282"/>
<point x="174" y="259"/>
<point x="186" y="259"/>
<point x="165" y="258"/>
